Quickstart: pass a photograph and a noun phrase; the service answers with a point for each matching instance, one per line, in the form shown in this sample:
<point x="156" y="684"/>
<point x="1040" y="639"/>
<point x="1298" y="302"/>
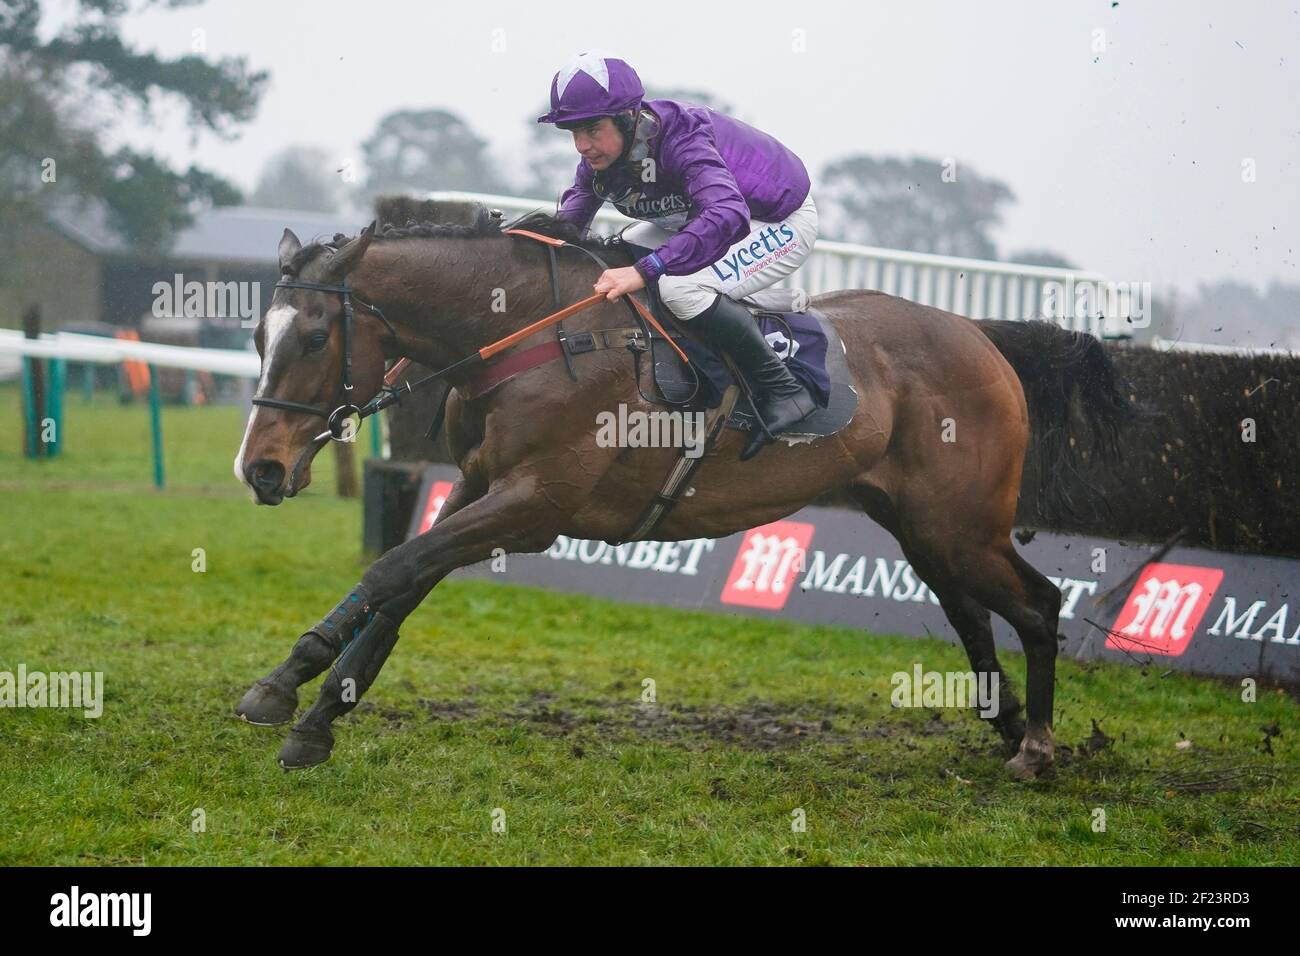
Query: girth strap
<point x="684" y="468"/>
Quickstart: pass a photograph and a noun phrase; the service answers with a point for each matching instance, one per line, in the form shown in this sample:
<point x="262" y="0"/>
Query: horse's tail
<point x="1076" y="401"/>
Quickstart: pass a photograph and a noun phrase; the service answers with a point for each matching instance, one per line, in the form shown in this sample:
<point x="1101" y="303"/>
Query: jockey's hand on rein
<point x="618" y="282"/>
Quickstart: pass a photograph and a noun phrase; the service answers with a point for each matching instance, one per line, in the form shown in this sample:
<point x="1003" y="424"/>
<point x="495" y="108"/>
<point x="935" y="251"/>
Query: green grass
<point x="509" y="697"/>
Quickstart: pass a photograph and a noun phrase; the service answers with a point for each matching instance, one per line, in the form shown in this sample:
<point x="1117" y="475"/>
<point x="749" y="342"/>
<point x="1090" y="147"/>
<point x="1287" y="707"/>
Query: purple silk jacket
<point x="714" y="174"/>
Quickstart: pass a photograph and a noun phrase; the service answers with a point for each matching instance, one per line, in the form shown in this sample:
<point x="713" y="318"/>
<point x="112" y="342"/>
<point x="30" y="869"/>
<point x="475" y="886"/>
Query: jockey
<point x="726" y="208"/>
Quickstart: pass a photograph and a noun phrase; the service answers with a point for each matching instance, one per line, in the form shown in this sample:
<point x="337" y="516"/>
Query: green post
<point x="31" y="432"/>
<point x="54" y="404"/>
<point x="155" y="422"/>
<point x="376" y="439"/>
<point x="35" y="386"/>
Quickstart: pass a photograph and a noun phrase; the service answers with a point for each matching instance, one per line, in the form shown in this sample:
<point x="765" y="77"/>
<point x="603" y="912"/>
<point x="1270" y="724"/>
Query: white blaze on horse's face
<point x="279" y="319"/>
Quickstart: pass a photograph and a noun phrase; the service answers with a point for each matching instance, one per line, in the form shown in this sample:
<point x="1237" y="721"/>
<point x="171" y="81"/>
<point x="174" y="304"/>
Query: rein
<point x="391" y="395"/>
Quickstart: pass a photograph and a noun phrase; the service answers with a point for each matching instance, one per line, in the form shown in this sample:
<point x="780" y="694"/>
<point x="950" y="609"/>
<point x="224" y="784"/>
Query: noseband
<point x="334" y="419"/>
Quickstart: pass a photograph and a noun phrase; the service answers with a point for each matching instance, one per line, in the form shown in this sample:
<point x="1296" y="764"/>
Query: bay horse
<point x="934" y="452"/>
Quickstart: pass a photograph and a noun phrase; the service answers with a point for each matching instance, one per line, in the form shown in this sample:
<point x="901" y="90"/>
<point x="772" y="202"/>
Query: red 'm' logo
<point x="433" y="504"/>
<point x="1164" y="608"/>
<point x="770" y="559"/>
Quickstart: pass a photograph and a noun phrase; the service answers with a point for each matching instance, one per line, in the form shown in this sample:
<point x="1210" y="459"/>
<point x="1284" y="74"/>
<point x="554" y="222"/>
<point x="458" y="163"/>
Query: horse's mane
<point x="546" y="224"/>
<point x="483" y="225"/>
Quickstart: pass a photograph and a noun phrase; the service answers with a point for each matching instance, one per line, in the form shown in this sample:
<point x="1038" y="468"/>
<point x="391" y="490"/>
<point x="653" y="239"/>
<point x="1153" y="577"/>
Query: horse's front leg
<point x="273" y="699"/>
<point x="508" y="516"/>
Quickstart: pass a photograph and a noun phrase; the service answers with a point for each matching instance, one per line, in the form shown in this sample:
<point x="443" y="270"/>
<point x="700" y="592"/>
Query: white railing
<point x="977" y="288"/>
<point x="103" y="350"/>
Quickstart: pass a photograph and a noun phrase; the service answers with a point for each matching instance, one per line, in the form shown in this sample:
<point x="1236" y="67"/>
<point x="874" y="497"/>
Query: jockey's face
<point x="599" y="142"/>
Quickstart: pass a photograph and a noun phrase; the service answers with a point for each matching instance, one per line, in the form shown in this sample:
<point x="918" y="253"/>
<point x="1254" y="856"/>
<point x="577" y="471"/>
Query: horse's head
<point x="303" y="340"/>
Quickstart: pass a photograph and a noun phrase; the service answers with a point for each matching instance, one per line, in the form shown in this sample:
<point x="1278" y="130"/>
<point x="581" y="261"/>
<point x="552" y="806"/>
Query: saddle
<point x="803" y="337"/>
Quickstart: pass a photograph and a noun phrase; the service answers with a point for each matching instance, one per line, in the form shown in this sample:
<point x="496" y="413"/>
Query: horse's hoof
<point x="1020" y="769"/>
<point x="1036" y="755"/>
<point x="267" y="705"/>
<point x="305" y="748"/>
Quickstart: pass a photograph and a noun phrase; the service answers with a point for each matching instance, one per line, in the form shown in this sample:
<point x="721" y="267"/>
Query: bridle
<point x="334" y="419"/>
<point x="391" y="395"/>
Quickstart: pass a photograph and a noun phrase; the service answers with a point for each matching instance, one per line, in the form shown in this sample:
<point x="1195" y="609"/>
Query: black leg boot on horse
<point x="779" y="399"/>
<point x="274" y="699"/>
<point x="310" y="740"/>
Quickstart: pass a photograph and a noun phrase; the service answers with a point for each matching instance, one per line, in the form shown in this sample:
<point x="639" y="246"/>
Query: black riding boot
<point x="780" y="400"/>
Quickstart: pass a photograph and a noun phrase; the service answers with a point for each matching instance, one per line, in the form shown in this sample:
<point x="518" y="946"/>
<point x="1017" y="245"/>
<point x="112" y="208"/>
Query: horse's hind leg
<point x="1037" y="615"/>
<point x="968" y="617"/>
<point x="950" y="539"/>
<point x="971" y="621"/>
<point x="1002" y="581"/>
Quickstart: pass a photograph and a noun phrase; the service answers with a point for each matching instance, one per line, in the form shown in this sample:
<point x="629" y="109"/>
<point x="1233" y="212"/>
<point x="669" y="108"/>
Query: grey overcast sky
<point x="1128" y="160"/>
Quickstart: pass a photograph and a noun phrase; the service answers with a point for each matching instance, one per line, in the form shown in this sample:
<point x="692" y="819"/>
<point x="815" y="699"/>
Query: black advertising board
<point x="1201" y="611"/>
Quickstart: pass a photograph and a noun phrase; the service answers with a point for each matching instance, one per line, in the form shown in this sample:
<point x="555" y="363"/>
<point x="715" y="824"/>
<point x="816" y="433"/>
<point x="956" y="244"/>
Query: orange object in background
<point x="137" y="373"/>
<point x="207" y="386"/>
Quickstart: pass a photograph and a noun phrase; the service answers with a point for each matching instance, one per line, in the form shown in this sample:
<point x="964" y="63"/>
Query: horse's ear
<point x="346" y="259"/>
<point x="289" y="246"/>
